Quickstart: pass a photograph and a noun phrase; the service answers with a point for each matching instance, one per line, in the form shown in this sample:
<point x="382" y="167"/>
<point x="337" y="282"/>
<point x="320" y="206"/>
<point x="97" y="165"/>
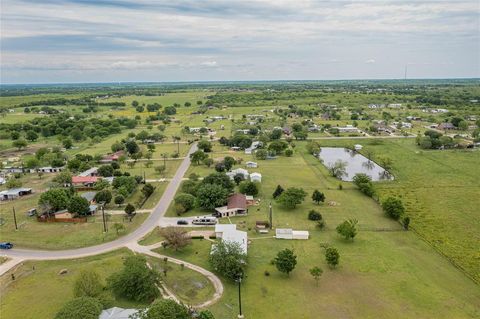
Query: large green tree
<point x="80" y="308"/>
<point x="165" y="309"/>
<point x="286" y="261"/>
<point x="136" y="281"/>
<point x="291" y="197"/>
<point x="228" y="259"/>
<point x="210" y="196"/>
<point x="54" y="199"/>
<point x="348" y="228"/>
<point x="78" y="205"/>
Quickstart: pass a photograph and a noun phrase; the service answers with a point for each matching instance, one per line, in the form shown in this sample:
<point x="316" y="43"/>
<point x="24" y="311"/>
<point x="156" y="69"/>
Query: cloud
<point x="192" y="35"/>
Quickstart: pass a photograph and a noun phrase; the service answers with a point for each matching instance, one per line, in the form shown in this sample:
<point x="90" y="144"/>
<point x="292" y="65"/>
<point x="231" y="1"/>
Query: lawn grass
<point x="38" y="293"/>
<point x="191" y="287"/>
<point x="385" y="272"/>
<point x="440" y="191"/>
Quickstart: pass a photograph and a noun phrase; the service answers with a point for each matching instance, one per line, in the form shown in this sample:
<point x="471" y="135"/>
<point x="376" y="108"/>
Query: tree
<point x="261" y="154"/>
<point x="220" y="167"/>
<point x="338" y="169"/>
<point x="20" y="143"/>
<point x="314" y="215"/>
<point x="219" y="179"/>
<point x="80" y="308"/>
<point x="67" y="143"/>
<point x="186" y="200"/>
<point x="249" y="188"/>
<point x="205" y="146"/>
<point x="148" y="190"/>
<point x="348" y="228"/>
<point x="207" y="162"/>
<point x="288" y="153"/>
<point x="313" y="148"/>
<point x="103" y="196"/>
<point x="136" y="281"/>
<point x="229" y="161"/>
<point x="55" y="199"/>
<point x="285" y="261"/>
<point x="393" y="207"/>
<point x="119" y="199"/>
<point x="140" y="109"/>
<point x="238" y="178"/>
<point x="160" y="169"/>
<point x="165" y="309"/>
<point x="277" y="146"/>
<point x="87" y="284"/>
<point x="135" y="103"/>
<point x="132" y="147"/>
<point x="406" y="222"/>
<point x="210" y="196"/>
<point x="175" y="237"/>
<point x="228" y="259"/>
<point x="316" y="272"/>
<point x="129" y="209"/>
<point x="291" y="197"/>
<point x="105" y="171"/>
<point x="278" y="191"/>
<point x="198" y="156"/>
<point x="332" y="256"/>
<point x="63" y="178"/>
<point x="31" y="136"/>
<point x="13" y="183"/>
<point x="364" y="183"/>
<point x="318" y="196"/>
<point x="79" y="206"/>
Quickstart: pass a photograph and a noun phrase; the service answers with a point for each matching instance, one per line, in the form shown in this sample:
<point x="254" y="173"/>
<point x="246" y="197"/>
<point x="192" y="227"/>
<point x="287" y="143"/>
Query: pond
<point x="355" y="163"/>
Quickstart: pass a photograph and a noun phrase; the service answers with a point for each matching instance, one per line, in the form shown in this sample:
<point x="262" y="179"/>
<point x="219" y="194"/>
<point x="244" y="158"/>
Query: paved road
<point x="150" y="223"/>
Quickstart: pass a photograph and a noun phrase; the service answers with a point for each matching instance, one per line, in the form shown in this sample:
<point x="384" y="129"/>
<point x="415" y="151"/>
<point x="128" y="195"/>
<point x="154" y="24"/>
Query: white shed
<point x="251" y="164"/>
<point x="256" y="177"/>
<point x="288" y="233"/>
<point x="300" y="234"/>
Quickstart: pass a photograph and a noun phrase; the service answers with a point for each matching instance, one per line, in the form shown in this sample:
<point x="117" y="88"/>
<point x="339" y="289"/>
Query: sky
<point x="68" y="41"/>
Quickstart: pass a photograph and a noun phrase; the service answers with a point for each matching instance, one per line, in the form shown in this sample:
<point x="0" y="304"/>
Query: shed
<point x="256" y="177"/>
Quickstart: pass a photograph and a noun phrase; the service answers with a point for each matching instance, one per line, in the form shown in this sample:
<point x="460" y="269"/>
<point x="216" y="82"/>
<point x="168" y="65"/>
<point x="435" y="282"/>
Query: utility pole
<point x="144" y="179"/>
<point x="15" y="218"/>
<point x="103" y="217"/>
<point x="270" y="215"/>
<point x="240" y="314"/>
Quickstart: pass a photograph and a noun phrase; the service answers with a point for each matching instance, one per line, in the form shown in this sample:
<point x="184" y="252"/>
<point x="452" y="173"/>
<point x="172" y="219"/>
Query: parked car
<point x="182" y="222"/>
<point x="32" y="212"/>
<point x="6" y="245"/>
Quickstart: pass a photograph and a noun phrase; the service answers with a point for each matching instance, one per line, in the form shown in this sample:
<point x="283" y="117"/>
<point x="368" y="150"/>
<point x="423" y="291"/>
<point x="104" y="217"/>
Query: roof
<point x="220" y="228"/>
<point x="283" y="231"/>
<point x="15" y="191"/>
<point x="255" y="174"/>
<point x="237" y="236"/>
<point x="84" y="179"/>
<point x="117" y="313"/>
<point x="237" y="201"/>
<point x="89" y="171"/>
<point x="89" y="195"/>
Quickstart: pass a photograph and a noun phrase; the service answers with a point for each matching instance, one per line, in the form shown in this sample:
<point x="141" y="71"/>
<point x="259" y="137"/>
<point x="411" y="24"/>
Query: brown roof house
<point x="237" y="205"/>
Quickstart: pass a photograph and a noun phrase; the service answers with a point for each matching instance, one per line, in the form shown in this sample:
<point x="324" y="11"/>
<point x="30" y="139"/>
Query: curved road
<point x="148" y="225"/>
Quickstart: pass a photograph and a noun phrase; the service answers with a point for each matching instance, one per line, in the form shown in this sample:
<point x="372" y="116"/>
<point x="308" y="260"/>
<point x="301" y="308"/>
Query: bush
<point x="314" y="215"/>
<point x="332" y="256"/>
<point x="80" y="308"/>
<point x="249" y="188"/>
<point x="393" y="207"/>
<point x="186" y="200"/>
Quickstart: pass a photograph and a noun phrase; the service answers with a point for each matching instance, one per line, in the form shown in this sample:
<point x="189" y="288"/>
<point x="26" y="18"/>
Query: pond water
<point x="355" y="163"/>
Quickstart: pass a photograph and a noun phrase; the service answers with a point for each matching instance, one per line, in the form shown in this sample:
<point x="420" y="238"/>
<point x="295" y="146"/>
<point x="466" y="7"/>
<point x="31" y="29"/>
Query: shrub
<point x="393" y="207"/>
<point x="314" y="215"/>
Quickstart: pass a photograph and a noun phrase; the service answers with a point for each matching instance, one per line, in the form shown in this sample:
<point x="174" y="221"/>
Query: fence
<point x="62" y="220"/>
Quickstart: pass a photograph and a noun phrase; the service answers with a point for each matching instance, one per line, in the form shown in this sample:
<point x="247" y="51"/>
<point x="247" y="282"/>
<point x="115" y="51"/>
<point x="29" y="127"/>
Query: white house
<point x="251" y="164"/>
<point x="256" y="177"/>
<point x="288" y="233"/>
<point x="229" y="233"/>
<point x="89" y="172"/>
<point x="117" y="313"/>
<point x="348" y="129"/>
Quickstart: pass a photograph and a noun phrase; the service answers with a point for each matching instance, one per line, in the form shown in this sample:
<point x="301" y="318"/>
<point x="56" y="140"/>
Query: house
<point x="256" y="177"/>
<point x="14" y="193"/>
<point x="118" y="313"/>
<point x="236" y="171"/>
<point x="446" y="126"/>
<point x="243" y="131"/>
<point x="235" y="148"/>
<point x="288" y="233"/>
<point x="89" y="172"/>
<point x="229" y="233"/>
<point x="236" y="205"/>
<point x="394" y="105"/>
<point x="251" y="164"/>
<point x="63" y="214"/>
<point x="84" y="181"/>
<point x="49" y="169"/>
<point x="90" y="196"/>
<point x="413" y="118"/>
<point x="250" y="200"/>
<point x="348" y="129"/>
<point x="254" y="146"/>
<point x="111" y="157"/>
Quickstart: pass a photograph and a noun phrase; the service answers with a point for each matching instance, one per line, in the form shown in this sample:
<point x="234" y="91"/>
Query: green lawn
<point x="440" y="190"/>
<point x="39" y="293"/>
<point x="384" y="269"/>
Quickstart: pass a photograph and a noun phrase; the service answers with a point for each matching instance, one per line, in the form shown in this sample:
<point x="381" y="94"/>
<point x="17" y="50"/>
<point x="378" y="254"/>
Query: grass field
<point x="440" y="190"/>
<point x="39" y="293"/>
<point x="384" y="269"/>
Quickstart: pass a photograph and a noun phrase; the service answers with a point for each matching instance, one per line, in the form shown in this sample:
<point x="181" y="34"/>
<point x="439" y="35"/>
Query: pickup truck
<point x="6" y="245"/>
